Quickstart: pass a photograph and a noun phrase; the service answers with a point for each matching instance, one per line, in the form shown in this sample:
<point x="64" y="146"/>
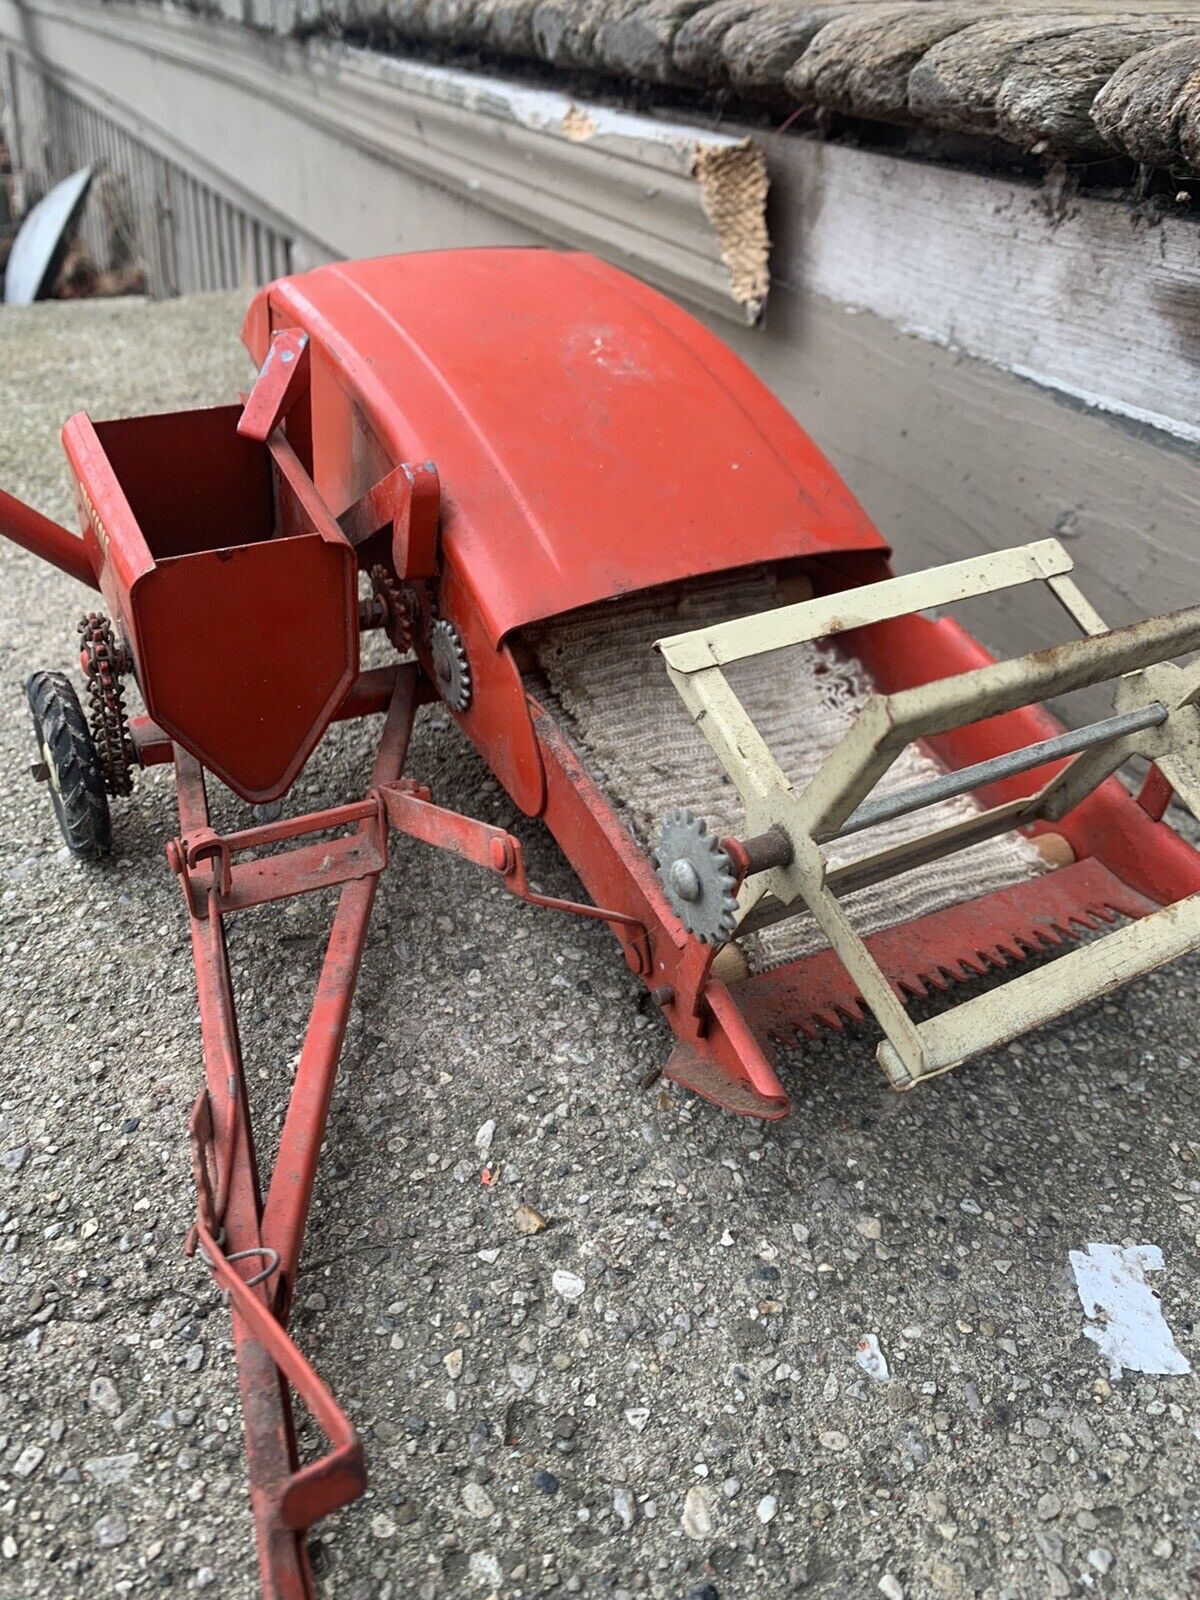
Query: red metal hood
<point x="591" y="437"/>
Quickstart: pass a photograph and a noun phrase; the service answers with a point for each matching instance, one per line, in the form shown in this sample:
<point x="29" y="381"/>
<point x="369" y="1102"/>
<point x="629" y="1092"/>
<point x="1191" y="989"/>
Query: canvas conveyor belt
<point x="631" y="727"/>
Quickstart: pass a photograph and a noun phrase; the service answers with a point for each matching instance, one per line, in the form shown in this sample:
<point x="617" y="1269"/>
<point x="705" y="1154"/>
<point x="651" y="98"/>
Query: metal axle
<point x="47" y="539"/>
<point x="872" y="812"/>
<point x="759" y="854"/>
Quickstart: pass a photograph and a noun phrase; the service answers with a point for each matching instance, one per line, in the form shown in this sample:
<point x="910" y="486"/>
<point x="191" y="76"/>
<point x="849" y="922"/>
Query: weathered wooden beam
<point x="1079" y="80"/>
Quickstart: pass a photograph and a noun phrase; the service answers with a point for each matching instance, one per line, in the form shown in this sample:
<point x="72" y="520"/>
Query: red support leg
<point x="300" y="1144"/>
<point x="286" y="1498"/>
<point x="234" y="1222"/>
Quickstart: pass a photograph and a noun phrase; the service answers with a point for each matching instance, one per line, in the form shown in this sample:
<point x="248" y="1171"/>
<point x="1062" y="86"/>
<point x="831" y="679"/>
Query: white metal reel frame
<point x="1156" y="717"/>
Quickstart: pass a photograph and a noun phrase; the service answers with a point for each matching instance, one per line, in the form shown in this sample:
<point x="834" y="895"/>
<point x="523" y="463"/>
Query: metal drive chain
<point x="103" y="660"/>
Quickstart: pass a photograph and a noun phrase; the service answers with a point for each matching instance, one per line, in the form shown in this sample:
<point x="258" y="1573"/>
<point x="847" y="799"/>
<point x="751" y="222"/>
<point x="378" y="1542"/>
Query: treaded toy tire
<point x="75" y="780"/>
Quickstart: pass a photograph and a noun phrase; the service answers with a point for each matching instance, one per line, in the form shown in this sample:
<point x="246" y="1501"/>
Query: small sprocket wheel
<point x="697" y="876"/>
<point x="70" y="765"/>
<point x="450" y="665"/>
<point x="397" y="621"/>
<point x="103" y="661"/>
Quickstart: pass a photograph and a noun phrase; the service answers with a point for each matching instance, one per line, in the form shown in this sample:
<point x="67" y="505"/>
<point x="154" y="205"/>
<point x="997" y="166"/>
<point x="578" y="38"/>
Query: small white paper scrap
<point x="1127" y="1325"/>
<point x="872" y="1359"/>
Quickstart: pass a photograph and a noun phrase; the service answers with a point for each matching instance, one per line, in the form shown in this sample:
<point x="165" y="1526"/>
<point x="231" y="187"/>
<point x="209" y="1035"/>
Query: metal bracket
<point x="408" y="501"/>
<point x="411" y="810"/>
<point x="1156" y="717"/>
<point x="323" y="865"/>
<point x="280" y="383"/>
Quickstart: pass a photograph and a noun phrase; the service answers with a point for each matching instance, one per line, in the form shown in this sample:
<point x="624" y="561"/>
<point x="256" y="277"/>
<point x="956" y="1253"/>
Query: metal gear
<point x="450" y="665"/>
<point x="697" y="876"/>
<point x="103" y="661"/>
<point x="397" y="621"/>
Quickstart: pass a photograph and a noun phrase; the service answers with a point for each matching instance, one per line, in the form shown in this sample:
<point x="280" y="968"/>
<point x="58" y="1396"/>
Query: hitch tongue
<point x="44" y="538"/>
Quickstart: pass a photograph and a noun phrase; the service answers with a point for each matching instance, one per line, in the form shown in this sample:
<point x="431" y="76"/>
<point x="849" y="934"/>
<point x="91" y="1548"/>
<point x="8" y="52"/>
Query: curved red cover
<point x="591" y="437"/>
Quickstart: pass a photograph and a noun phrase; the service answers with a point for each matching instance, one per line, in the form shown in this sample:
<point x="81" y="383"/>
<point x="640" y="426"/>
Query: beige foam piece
<point x="733" y="189"/>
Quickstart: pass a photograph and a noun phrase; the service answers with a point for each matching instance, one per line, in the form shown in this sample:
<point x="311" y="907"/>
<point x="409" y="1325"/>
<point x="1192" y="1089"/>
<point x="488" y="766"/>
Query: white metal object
<point x="42" y="239"/>
<point x="636" y="732"/>
<point x="1157" y="718"/>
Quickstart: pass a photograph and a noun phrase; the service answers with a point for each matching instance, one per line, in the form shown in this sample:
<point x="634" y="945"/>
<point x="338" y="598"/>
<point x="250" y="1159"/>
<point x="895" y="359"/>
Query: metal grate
<point x="188" y="236"/>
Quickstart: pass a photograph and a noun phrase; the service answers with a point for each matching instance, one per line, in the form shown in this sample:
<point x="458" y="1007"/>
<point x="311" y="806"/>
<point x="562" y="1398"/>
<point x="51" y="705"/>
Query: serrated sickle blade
<point x="952" y="945"/>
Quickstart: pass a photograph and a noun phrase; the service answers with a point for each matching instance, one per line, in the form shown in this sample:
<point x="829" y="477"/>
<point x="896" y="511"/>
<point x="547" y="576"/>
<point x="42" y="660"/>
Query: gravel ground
<point x="657" y="1394"/>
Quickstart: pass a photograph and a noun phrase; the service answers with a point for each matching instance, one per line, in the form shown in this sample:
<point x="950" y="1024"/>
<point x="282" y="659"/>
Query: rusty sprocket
<point x="103" y="661"/>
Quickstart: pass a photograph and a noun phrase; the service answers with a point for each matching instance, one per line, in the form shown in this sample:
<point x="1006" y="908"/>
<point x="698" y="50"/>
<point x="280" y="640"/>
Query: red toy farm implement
<point x="527" y="469"/>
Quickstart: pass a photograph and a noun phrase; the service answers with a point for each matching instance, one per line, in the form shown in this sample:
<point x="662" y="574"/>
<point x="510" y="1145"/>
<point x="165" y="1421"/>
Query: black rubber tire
<point x="76" y="782"/>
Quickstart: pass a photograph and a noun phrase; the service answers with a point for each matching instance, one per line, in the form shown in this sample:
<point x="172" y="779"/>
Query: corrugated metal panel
<point x="146" y="208"/>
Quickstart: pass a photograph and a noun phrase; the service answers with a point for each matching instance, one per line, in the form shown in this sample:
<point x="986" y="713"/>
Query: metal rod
<point x="946" y="703"/>
<point x="759" y="854"/>
<point x="371" y="692"/>
<point x="44" y="538"/>
<point x="271" y="1456"/>
<point x="872" y="812"/>
<point x="766" y="850"/>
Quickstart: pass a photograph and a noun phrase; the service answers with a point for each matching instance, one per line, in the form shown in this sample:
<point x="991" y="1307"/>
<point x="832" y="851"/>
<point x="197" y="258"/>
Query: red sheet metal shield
<point x="591" y="437"/>
<point x="244" y="643"/>
<point x="276" y="660"/>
